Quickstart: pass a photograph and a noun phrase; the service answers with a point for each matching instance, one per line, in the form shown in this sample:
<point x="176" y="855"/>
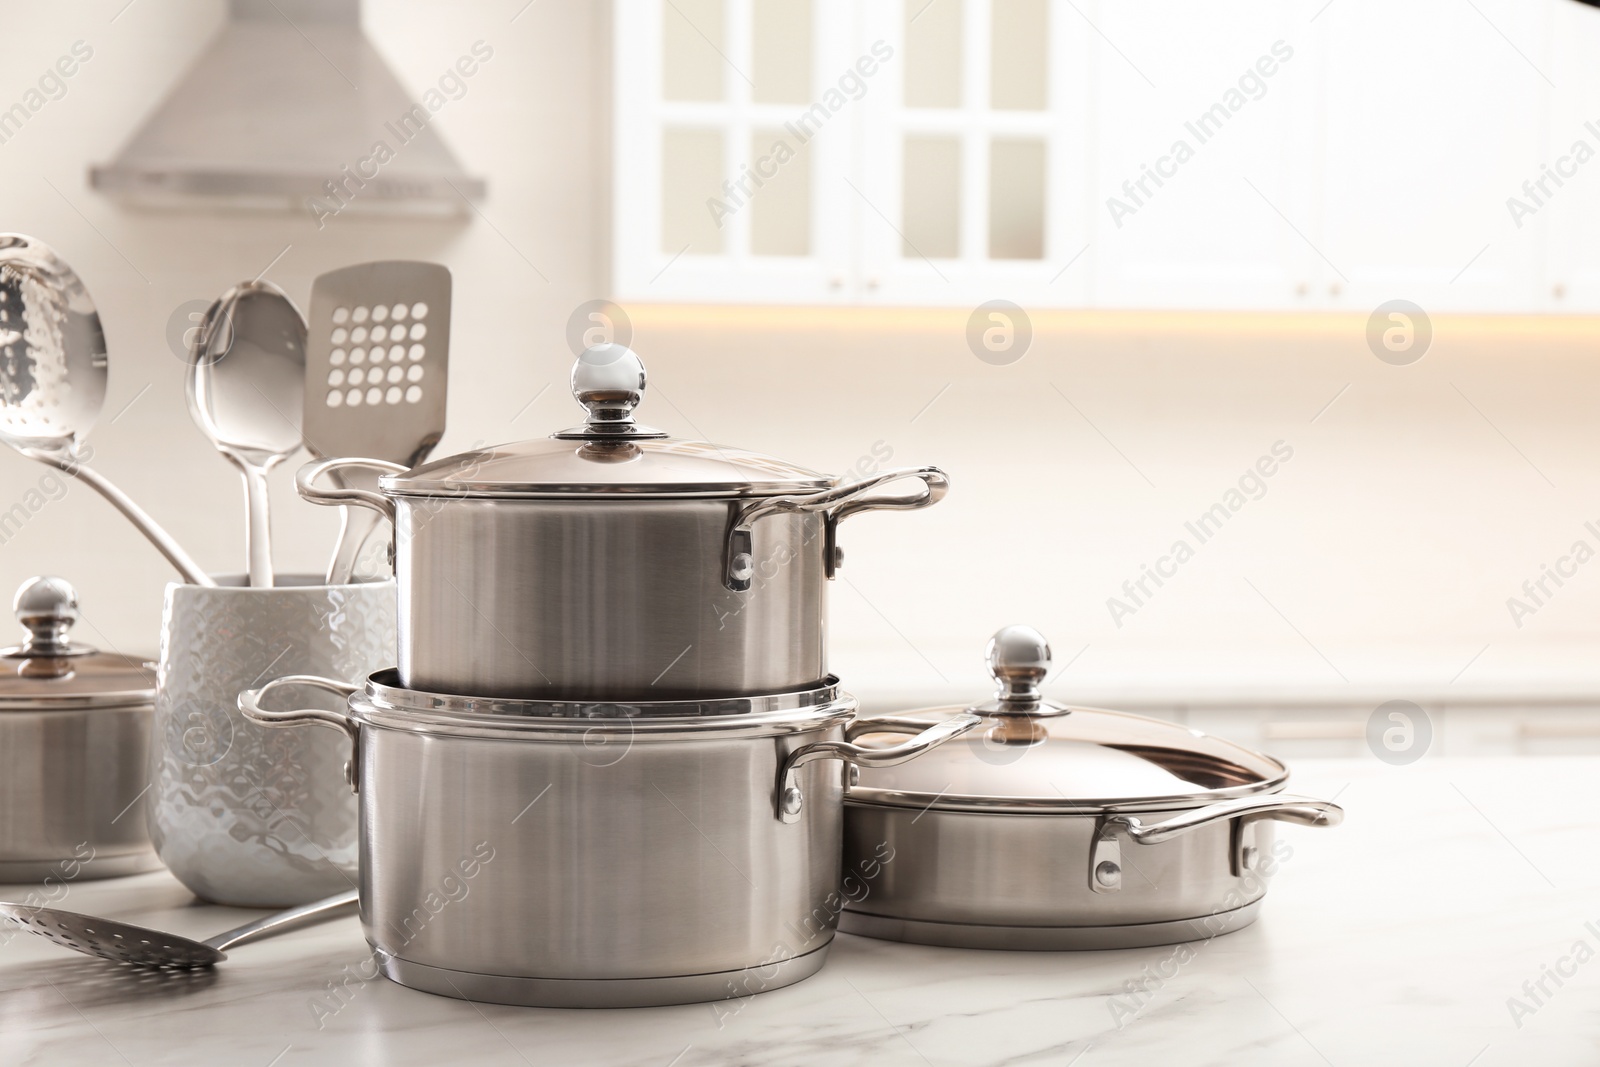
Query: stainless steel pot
<point x="74" y="738"/>
<point x="1064" y="828"/>
<point x="597" y="855"/>
<point x="612" y="562"/>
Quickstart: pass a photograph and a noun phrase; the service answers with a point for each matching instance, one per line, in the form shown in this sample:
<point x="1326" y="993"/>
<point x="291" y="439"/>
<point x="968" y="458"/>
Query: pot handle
<point x="250" y="706"/>
<point x="1105" y="861"/>
<point x="790" y="800"/>
<point x="840" y="502"/>
<point x="306" y="477"/>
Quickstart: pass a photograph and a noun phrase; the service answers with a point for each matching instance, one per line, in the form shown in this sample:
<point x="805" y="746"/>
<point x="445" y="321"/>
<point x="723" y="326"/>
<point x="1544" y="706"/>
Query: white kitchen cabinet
<point x="727" y="186"/>
<point x="1201" y="155"/>
<point x="1570" y="217"/>
<point x="1248" y="154"/>
<point x="1429" y="114"/>
<point x="974" y="154"/>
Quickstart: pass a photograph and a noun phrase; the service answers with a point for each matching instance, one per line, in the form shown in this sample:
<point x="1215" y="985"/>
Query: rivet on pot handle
<point x="305" y="480"/>
<point x="250" y="705"/>
<point x="790" y="799"/>
<point x="840" y="502"/>
<point x="1105" y="860"/>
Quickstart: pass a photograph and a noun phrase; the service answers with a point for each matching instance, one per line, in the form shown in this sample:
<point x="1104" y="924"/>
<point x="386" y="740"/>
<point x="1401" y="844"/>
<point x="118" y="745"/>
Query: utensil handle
<point x="357" y="527"/>
<point x="306" y="477"/>
<point x="258" y="526"/>
<point x="250" y="706"/>
<point x="1276" y="806"/>
<point x="789" y="797"/>
<point x="151" y="529"/>
<point x="284" y="921"/>
<point x="840" y="502"/>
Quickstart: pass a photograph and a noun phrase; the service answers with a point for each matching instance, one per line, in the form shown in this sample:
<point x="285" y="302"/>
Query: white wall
<point x="530" y="122"/>
<point x="1390" y="541"/>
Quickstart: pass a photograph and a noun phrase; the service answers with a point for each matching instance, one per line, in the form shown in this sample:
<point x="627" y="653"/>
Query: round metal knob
<point x="47" y="608"/>
<point x="609" y="380"/>
<point x="1019" y="659"/>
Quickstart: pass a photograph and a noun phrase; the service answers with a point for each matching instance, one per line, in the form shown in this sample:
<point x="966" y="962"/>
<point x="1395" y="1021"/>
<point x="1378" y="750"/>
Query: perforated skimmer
<point x="143" y="947"/>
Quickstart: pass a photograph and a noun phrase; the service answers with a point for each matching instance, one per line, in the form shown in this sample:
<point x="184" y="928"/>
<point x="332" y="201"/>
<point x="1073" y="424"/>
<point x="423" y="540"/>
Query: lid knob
<point x="1019" y="659"/>
<point x="47" y="607"/>
<point x="609" y="380"/>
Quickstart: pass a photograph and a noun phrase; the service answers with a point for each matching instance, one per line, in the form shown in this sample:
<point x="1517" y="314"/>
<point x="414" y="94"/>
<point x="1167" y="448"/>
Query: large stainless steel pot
<point x="74" y="737"/>
<point x="597" y="855"/>
<point x="612" y="562"/>
<point x="1065" y="828"/>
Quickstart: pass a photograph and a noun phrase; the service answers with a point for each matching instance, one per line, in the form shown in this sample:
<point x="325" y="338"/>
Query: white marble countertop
<point x="1398" y="938"/>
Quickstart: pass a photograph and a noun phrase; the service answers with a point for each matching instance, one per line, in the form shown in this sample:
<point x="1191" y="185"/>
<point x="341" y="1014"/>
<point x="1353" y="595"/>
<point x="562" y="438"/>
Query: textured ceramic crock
<point x="244" y="815"/>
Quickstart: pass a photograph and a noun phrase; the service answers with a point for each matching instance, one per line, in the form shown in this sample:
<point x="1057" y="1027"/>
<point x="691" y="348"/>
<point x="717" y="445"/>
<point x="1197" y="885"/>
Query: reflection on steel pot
<point x="612" y="562"/>
<point x="694" y="859"/>
<point x="1065" y="828"/>
<point x="74" y="732"/>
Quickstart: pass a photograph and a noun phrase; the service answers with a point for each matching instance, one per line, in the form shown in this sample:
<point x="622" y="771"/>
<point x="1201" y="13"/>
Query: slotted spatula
<point x="377" y="369"/>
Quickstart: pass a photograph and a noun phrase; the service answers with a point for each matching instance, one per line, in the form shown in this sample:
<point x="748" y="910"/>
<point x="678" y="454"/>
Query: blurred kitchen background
<point x="1177" y="315"/>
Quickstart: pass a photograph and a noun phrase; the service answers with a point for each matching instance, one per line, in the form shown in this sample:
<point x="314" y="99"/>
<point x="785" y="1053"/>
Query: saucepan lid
<point x="609" y="455"/>
<point x="1032" y="756"/>
<point x="49" y="670"/>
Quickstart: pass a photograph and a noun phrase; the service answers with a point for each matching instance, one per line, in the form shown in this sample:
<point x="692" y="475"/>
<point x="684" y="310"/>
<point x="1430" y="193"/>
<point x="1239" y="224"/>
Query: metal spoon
<point x="246" y="390"/>
<point x="125" y="943"/>
<point x="53" y="367"/>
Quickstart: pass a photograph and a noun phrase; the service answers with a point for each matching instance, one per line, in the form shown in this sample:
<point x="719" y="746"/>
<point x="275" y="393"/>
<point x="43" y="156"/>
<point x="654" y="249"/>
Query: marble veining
<point x="1399" y="938"/>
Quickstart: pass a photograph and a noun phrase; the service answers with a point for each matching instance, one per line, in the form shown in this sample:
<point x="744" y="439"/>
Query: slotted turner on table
<point x="142" y="947"/>
<point x="377" y="370"/>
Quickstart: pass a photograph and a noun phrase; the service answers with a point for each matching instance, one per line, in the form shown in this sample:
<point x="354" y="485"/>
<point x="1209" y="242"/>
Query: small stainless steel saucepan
<point x="75" y="728"/>
<point x="1064" y="828"/>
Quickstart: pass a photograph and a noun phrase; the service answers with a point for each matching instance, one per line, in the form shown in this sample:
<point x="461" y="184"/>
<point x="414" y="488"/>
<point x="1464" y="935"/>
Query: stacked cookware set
<point x="612" y="679"/>
<point x="609" y="766"/>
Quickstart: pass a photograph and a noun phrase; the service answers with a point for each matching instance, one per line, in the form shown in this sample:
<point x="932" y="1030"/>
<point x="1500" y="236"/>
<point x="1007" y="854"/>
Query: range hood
<point x="285" y="109"/>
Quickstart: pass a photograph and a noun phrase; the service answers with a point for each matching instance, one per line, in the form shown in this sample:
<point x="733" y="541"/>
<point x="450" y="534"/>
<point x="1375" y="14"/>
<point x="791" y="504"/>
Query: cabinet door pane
<point x="1016" y="199"/>
<point x="933" y="53"/>
<point x="781" y="51"/>
<point x="780" y="210"/>
<point x="692" y="48"/>
<point x="932" y="197"/>
<point x="691" y="175"/>
<point x="1018" y="65"/>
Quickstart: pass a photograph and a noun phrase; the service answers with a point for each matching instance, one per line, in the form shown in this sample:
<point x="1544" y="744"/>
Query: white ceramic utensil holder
<point x="243" y="815"/>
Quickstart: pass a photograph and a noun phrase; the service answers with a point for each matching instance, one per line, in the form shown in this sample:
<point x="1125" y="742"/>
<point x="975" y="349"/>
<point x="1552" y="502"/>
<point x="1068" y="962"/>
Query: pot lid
<point x="1034" y="756"/>
<point x="608" y="454"/>
<point x="50" y="671"/>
